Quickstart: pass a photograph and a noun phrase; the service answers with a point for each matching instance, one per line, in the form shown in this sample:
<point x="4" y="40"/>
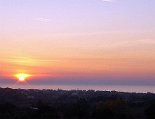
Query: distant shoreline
<point x="59" y="89"/>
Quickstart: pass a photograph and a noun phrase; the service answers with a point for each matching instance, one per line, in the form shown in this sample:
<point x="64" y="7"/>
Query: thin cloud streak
<point x="107" y="0"/>
<point x="40" y="19"/>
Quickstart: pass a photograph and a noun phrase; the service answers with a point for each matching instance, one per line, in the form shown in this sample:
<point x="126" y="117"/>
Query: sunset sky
<point x="78" y="41"/>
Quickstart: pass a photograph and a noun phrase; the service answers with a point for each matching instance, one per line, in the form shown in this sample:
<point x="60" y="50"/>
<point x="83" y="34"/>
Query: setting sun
<point x="22" y="76"/>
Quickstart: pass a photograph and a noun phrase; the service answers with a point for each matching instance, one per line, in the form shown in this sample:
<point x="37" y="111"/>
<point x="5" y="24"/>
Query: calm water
<point x="121" y="88"/>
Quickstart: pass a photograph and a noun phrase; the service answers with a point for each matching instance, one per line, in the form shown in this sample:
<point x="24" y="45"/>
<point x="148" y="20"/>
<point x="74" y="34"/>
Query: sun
<point x="22" y="76"/>
<point x="21" y="79"/>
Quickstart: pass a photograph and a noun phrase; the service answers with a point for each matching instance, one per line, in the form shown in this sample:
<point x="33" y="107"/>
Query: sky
<point x="78" y="41"/>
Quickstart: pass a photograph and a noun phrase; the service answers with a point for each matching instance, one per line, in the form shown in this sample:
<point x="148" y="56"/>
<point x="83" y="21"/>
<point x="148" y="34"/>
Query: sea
<point x="119" y="88"/>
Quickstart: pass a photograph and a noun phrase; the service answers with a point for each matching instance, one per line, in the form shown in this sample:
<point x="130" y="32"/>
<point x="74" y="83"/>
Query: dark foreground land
<point x="75" y="104"/>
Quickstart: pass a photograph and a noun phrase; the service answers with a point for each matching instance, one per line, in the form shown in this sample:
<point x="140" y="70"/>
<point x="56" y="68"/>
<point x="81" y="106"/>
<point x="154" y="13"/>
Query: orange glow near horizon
<point x="22" y="76"/>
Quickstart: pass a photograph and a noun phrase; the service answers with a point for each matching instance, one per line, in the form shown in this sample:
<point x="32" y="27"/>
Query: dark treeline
<point x="75" y="104"/>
